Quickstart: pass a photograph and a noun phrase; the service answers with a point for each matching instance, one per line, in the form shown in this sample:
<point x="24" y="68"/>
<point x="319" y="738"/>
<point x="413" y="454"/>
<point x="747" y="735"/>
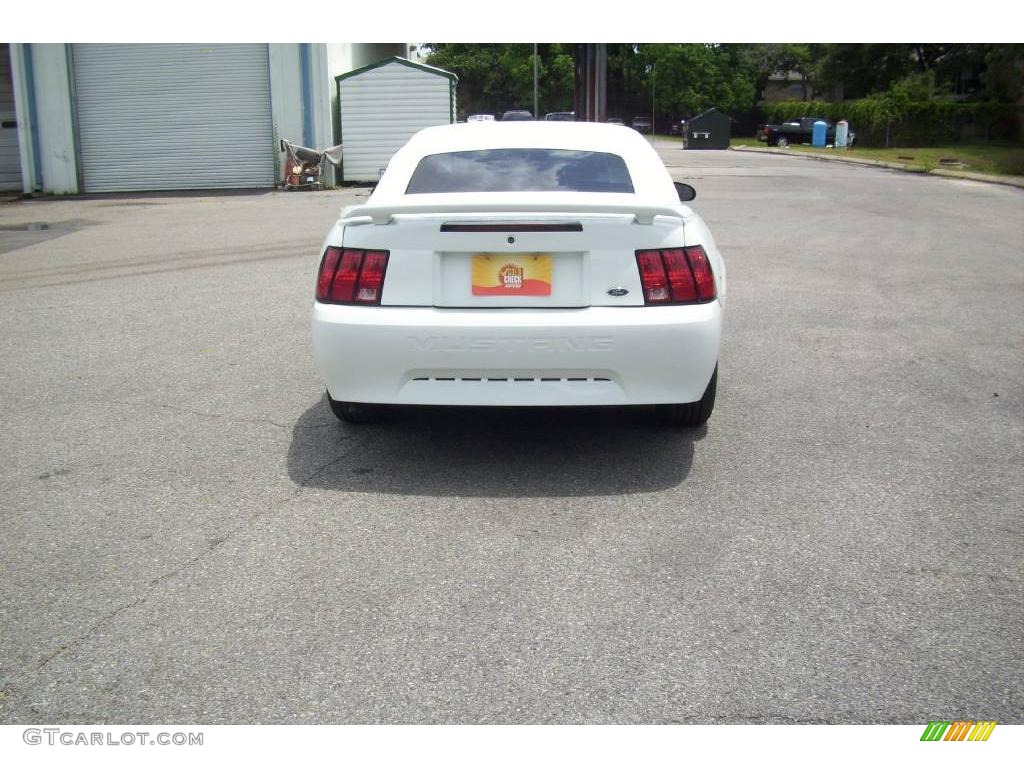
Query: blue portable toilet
<point x="818" y="133"/>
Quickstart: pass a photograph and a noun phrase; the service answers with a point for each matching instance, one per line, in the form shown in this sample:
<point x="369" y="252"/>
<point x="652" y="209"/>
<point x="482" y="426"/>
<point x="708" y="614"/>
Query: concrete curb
<point x="1011" y="181"/>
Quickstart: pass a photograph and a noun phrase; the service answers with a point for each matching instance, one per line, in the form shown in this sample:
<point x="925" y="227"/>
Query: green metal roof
<point x="399" y="60"/>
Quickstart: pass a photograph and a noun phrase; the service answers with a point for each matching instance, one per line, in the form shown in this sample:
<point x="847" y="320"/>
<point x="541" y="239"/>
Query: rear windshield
<point x="520" y="170"/>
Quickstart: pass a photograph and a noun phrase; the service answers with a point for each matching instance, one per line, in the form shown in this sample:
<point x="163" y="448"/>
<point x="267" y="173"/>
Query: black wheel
<point x="782" y="142"/>
<point x="354" y="413"/>
<point x="691" y="414"/>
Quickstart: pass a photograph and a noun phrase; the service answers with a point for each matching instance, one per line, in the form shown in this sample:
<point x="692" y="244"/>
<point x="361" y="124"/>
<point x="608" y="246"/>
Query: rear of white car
<point x="534" y="264"/>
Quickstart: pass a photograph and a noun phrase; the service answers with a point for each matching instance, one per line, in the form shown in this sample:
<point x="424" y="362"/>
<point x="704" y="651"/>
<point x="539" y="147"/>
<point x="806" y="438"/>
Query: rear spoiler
<point x="383" y="213"/>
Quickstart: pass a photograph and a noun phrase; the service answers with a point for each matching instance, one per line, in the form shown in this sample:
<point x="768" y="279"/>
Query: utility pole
<point x="536" y="101"/>
<point x="590" y="100"/>
<point x="654" y="74"/>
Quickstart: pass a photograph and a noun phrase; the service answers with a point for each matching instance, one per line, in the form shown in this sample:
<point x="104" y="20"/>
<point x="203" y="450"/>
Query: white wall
<point x="322" y="90"/>
<point x="53" y="109"/>
<point x="344" y="57"/>
<point x="286" y="91"/>
<point x="322" y="87"/>
<point x="52" y="92"/>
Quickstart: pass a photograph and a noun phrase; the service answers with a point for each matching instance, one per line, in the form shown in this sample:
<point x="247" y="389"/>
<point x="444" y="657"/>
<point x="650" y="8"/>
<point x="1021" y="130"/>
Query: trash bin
<point x="708" y="130"/>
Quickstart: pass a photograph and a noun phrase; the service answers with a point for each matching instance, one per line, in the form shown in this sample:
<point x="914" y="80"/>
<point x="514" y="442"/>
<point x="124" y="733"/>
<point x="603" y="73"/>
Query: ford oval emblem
<point x="618" y="291"/>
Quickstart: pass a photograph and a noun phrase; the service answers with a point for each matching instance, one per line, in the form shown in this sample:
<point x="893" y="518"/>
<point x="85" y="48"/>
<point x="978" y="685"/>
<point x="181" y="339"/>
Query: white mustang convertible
<point x="521" y="264"/>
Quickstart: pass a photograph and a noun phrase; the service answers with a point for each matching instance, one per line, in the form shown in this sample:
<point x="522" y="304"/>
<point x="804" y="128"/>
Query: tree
<point x="977" y="70"/>
<point x="766" y="59"/>
<point x="1004" y="73"/>
<point x="497" y="77"/>
<point x="690" y="78"/>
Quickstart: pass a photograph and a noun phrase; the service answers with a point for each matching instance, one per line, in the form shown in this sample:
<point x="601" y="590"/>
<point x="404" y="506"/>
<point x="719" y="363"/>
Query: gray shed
<point x="708" y="130"/>
<point x="382" y="105"/>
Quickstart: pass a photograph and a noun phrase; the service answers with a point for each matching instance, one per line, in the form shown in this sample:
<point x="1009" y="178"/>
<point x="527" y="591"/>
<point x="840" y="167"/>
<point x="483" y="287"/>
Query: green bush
<point x="894" y="119"/>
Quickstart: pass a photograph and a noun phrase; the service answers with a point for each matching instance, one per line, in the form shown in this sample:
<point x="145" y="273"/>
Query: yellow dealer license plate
<point x="524" y="274"/>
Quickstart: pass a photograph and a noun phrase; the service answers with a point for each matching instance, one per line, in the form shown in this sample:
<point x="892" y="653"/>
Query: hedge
<point x="887" y="121"/>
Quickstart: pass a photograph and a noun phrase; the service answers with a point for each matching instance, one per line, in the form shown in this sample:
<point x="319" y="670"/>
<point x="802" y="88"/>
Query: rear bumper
<point x="588" y="356"/>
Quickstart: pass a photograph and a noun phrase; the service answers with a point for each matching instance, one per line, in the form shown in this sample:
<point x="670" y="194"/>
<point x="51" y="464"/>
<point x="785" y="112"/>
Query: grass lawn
<point x="1003" y="157"/>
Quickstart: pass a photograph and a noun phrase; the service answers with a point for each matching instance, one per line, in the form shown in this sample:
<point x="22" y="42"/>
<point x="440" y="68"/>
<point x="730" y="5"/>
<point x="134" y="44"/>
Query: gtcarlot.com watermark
<point x="70" y="737"/>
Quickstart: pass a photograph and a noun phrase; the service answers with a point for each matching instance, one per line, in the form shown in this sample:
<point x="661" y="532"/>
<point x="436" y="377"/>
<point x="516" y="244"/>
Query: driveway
<point x="190" y="536"/>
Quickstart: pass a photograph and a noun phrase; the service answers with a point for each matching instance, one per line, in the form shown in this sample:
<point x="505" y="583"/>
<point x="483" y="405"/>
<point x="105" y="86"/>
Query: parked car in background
<point x="517" y="114"/>
<point x="641" y="124"/>
<point x="614" y="121"/>
<point x="800" y="132"/>
<point x="526" y="265"/>
<point x="561" y="116"/>
<point x="480" y="119"/>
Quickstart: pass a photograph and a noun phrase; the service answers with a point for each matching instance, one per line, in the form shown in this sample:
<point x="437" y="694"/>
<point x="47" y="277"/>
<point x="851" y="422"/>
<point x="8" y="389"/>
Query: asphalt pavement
<point x="190" y="536"/>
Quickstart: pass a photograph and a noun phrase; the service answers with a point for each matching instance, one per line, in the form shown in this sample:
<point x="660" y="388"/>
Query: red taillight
<point x="371" y="277"/>
<point x="652" y="275"/>
<point x="344" y="283"/>
<point x="328" y="265"/>
<point x="351" y="277"/>
<point x="680" y="279"/>
<point x="701" y="273"/>
<point x="676" y="275"/>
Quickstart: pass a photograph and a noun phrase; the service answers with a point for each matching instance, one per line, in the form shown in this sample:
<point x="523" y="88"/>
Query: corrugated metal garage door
<point x="10" y="160"/>
<point x="173" y="116"/>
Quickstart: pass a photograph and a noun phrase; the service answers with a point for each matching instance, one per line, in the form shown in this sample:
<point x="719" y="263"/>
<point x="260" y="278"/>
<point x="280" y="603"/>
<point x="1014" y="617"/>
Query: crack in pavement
<point x="332" y="462"/>
<point x="127" y="274"/>
<point x="42" y="273"/>
<point x="192" y="411"/>
<point x="180" y="409"/>
<point x="970" y="574"/>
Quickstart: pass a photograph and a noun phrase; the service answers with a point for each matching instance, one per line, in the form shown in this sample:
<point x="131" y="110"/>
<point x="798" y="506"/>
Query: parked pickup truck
<point x="800" y="132"/>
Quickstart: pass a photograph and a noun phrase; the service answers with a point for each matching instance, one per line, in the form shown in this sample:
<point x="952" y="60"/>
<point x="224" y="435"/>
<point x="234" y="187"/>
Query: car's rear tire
<point x="691" y="415"/>
<point x="354" y="413"/>
<point x="782" y="142"/>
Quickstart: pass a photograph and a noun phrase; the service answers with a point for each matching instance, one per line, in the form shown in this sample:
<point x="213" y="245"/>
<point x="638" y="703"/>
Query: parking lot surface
<point x="190" y="536"/>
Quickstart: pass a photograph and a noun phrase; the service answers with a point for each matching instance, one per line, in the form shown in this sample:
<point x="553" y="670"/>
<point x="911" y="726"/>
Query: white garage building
<point x="124" y="117"/>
